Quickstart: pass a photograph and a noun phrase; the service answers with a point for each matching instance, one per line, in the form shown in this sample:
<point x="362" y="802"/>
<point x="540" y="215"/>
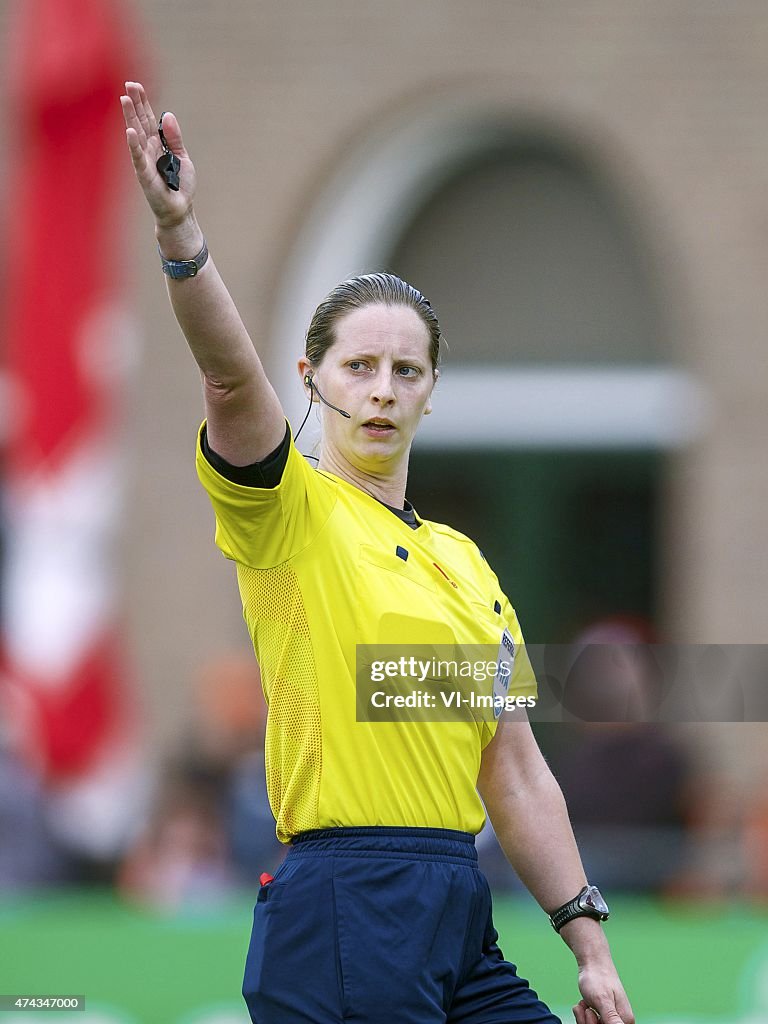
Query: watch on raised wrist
<point x="179" y="269"/>
<point x="588" y="903"/>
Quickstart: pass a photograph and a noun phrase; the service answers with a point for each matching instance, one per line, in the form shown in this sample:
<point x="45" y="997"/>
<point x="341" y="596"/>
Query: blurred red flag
<point x="67" y="250"/>
<point x="68" y="347"/>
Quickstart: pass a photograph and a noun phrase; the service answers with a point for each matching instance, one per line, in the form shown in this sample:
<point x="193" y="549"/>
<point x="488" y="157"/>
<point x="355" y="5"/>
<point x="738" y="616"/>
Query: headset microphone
<point x="309" y="383"/>
<point x="308" y="380"/>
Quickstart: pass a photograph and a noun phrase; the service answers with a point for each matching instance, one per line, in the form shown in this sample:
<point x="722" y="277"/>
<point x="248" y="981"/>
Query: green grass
<point x="678" y="963"/>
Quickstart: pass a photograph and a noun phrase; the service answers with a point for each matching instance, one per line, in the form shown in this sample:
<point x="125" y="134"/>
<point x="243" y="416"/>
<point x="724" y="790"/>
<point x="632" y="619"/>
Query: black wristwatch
<point x="589" y="903"/>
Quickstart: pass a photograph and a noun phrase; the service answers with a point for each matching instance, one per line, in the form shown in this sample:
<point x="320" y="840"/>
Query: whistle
<point x="168" y="164"/>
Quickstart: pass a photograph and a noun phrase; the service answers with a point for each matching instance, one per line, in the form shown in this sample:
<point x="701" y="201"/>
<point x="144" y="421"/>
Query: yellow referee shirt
<point x="322" y="566"/>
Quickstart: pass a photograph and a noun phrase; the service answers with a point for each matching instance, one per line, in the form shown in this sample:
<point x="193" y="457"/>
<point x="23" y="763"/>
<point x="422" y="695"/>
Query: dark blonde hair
<point x="362" y="291"/>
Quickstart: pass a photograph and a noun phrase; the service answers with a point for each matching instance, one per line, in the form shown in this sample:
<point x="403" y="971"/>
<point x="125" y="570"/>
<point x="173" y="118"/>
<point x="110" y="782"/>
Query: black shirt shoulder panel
<point x="268" y="472"/>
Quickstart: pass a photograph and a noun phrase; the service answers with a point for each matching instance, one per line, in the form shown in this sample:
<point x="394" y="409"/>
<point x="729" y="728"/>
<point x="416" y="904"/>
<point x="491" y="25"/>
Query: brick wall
<point x="669" y="96"/>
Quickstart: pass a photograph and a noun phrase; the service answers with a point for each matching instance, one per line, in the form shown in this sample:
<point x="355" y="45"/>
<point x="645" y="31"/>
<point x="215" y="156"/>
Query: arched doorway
<point x="559" y="398"/>
<point x="550" y="432"/>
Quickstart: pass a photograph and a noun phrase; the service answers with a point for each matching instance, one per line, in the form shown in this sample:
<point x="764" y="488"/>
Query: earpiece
<point x="313" y="389"/>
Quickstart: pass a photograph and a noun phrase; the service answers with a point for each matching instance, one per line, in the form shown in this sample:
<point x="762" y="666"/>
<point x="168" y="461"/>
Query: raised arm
<point x="245" y="418"/>
<point x="529" y="816"/>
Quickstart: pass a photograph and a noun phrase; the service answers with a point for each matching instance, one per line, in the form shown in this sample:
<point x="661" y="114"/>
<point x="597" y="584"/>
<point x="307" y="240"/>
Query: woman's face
<point x="379" y="371"/>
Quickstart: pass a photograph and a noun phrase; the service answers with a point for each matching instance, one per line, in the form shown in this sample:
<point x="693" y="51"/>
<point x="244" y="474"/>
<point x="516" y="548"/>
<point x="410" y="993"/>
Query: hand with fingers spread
<point x="141" y="129"/>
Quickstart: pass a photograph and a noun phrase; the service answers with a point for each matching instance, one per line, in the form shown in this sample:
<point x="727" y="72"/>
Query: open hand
<point x="169" y="207"/>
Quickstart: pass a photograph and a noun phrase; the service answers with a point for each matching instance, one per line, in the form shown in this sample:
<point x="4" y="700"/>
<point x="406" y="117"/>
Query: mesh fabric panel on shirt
<point x="274" y="610"/>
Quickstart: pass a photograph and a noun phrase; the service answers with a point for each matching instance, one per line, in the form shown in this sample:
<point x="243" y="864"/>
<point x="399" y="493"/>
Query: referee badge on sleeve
<point x="505" y="664"/>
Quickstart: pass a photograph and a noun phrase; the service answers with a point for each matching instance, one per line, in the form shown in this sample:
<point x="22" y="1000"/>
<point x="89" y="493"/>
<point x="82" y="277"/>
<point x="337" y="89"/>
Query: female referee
<point x="379" y="913"/>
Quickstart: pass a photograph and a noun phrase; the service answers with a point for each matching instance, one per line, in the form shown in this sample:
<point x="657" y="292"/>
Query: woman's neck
<point x="389" y="487"/>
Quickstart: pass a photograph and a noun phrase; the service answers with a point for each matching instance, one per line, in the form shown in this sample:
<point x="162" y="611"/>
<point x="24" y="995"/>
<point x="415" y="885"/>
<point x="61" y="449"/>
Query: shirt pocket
<point x="489" y="623"/>
<point x="399" y="602"/>
<point x="407" y="570"/>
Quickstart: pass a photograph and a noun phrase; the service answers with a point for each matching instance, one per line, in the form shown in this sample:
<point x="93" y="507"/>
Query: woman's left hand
<point x="603" y="996"/>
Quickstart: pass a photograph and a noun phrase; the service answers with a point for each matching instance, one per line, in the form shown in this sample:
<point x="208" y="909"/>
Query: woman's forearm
<point x="206" y="312"/>
<point x="533" y="828"/>
<point x="531" y="822"/>
<point x="529" y="815"/>
<point x="235" y="381"/>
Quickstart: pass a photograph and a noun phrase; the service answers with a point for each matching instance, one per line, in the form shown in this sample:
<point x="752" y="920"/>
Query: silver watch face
<point x="593" y="900"/>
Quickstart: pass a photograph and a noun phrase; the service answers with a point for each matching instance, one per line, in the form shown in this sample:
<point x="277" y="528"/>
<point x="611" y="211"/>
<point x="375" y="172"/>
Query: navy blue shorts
<point x="382" y="926"/>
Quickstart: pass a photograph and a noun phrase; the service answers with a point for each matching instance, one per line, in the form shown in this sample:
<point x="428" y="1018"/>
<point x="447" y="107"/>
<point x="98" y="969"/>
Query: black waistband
<point x="383" y="840"/>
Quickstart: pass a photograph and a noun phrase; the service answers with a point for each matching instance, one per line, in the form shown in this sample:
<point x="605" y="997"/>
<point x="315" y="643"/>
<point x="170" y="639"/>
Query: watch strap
<point x="573" y="909"/>
<point x="178" y="269"/>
